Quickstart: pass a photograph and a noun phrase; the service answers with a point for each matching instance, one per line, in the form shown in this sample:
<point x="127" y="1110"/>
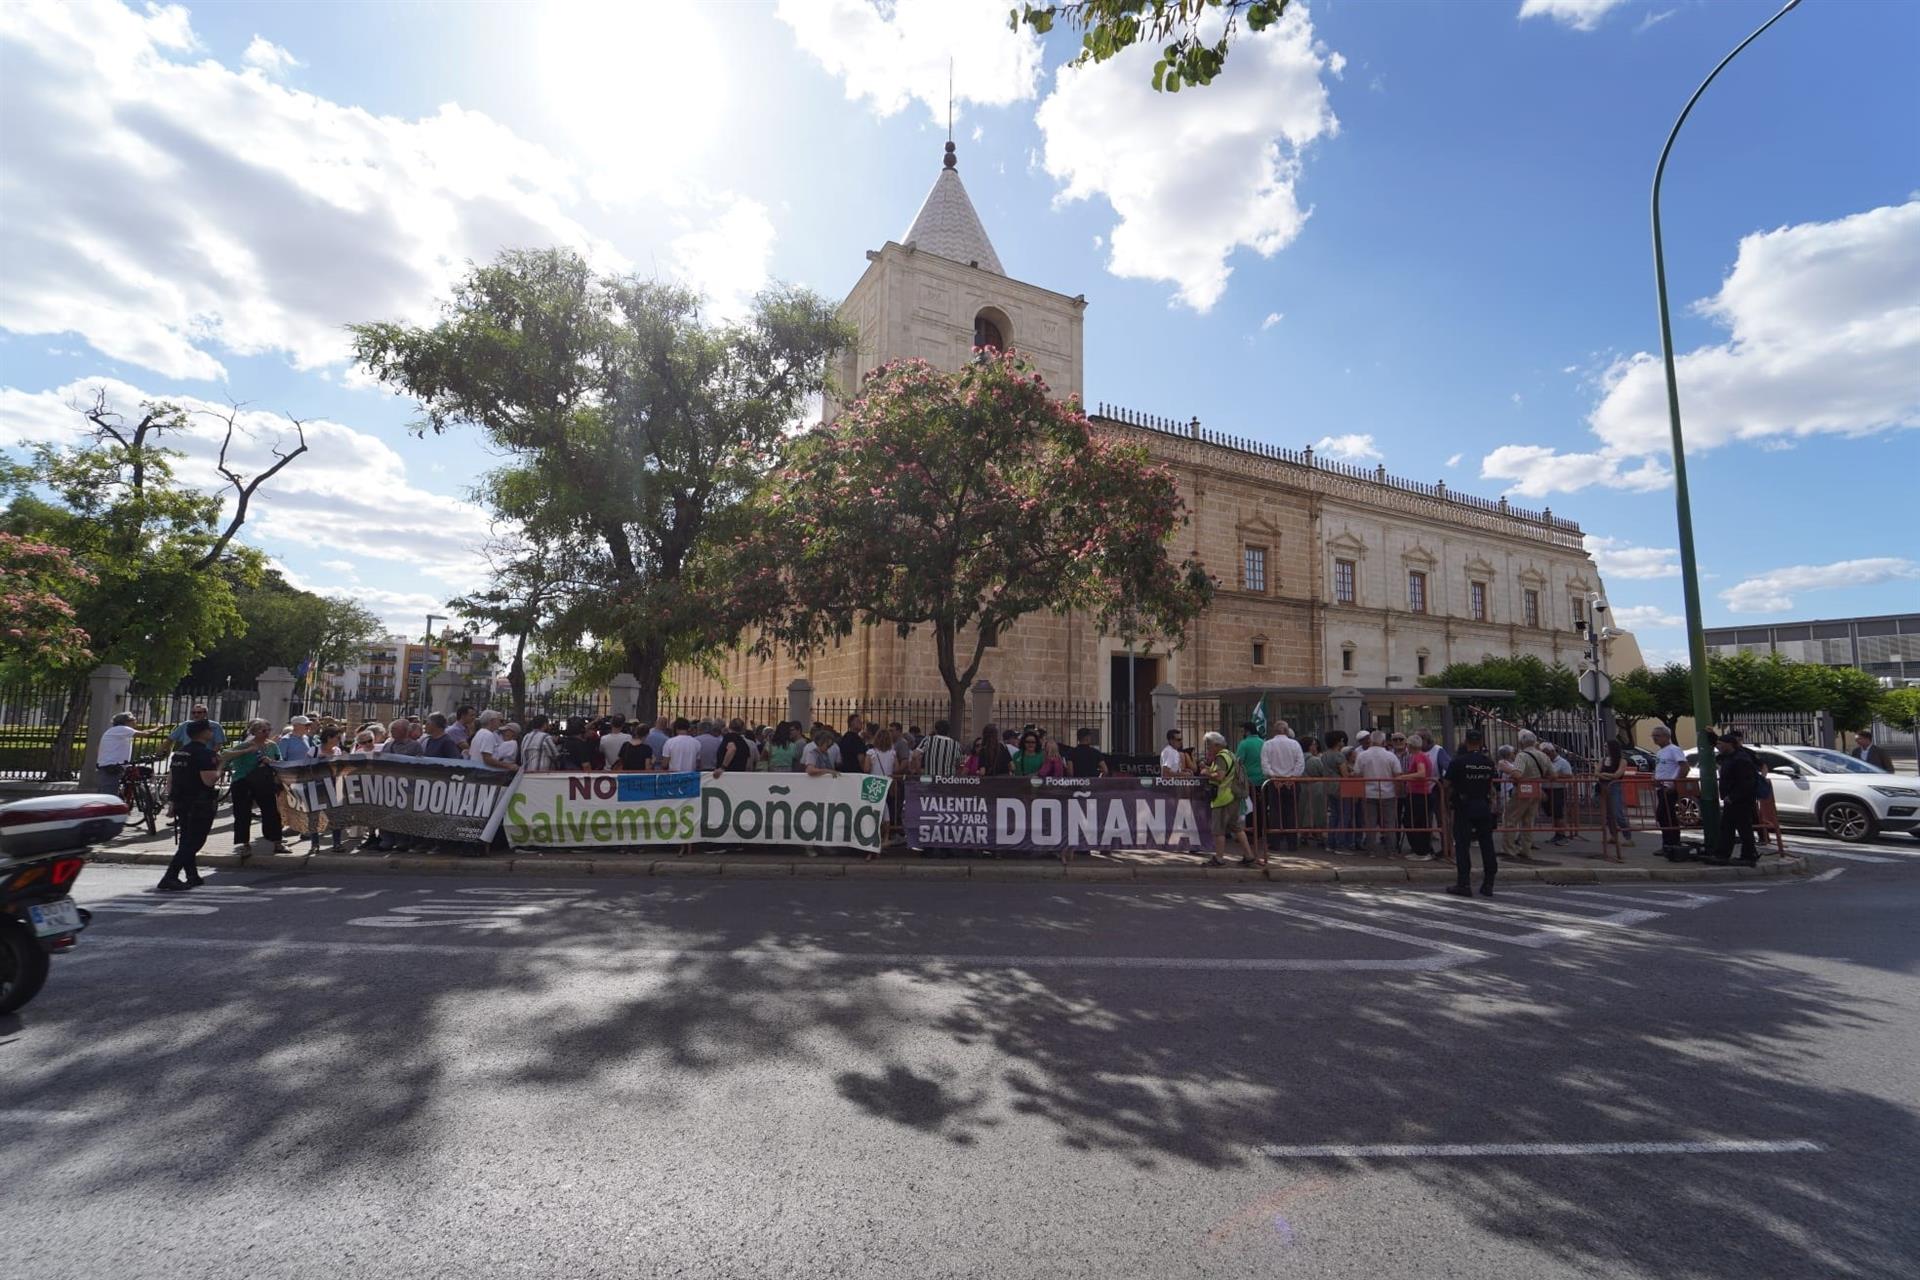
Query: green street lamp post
<point x="1683" y="509"/>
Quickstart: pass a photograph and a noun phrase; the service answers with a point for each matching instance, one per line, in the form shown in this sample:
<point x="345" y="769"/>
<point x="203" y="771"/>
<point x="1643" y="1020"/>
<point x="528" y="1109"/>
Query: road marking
<point x="1457" y="1150"/>
<point x="41" y="1117"/>
<point x="1852" y="857"/>
<point x="1449" y="954"/>
<point x="1503" y="905"/>
<point x="1455" y="955"/>
<point x="1676" y="898"/>
<point x="1827" y="875"/>
<point x="1544" y="936"/>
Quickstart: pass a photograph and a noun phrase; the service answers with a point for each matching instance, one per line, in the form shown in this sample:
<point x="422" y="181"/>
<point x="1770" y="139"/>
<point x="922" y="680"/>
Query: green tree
<point x="1192" y="55"/>
<point x="38" y="633"/>
<point x="162" y="555"/>
<point x="1537" y="687"/>
<point x="1633" y="700"/>
<point x="283" y="626"/>
<point x="1899" y="706"/>
<point x="524" y="581"/>
<point x="1849" y="694"/>
<point x="962" y="502"/>
<point x="633" y="428"/>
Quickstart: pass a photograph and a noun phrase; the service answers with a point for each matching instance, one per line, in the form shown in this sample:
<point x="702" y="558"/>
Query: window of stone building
<point x="1417" y="590"/>
<point x="1346" y="658"/>
<point x="1253" y="569"/>
<point x="1259" y="654"/>
<point x="1579" y="609"/>
<point x="1477" y="601"/>
<point x="1343" y="581"/>
<point x="1530" y="606"/>
<point x="989" y="330"/>
<point x="1420" y="664"/>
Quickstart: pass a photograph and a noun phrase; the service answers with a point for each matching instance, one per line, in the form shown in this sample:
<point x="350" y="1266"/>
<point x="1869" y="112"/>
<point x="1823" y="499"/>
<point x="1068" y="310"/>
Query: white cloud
<point x="347" y="498"/>
<point x="728" y="256"/>
<point x="268" y="58"/>
<point x="1633" y="617"/>
<point x="1534" y="470"/>
<point x="1653" y="20"/>
<point x="1348" y="448"/>
<point x="347" y="567"/>
<point x="1273" y="318"/>
<point x="895" y="54"/>
<point x="171" y="212"/>
<point x="1823" y="321"/>
<point x="1773" y="591"/>
<point x="1581" y="15"/>
<point x="1453" y="460"/>
<point x="1619" y="559"/>
<point x="1196" y="175"/>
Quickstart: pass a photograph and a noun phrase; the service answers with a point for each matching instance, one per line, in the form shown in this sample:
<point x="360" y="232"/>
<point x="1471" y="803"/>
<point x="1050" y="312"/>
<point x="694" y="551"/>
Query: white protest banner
<point x="791" y="808"/>
<point x="610" y="809"/>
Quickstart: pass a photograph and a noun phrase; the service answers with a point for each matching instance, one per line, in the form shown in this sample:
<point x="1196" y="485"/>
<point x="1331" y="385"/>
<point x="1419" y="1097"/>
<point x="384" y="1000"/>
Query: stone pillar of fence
<point x="800" y="702"/>
<point x="1823" y="728"/>
<point x="106" y="697"/>
<point x="982" y="705"/>
<point x="1349" y="710"/>
<point x="275" y="687"/>
<point x="1166" y="716"/>
<point x="623" y="694"/>
<point x="443" y="693"/>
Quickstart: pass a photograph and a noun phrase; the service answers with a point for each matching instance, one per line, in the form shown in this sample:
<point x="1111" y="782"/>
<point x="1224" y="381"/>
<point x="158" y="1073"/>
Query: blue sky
<point x="1416" y="232"/>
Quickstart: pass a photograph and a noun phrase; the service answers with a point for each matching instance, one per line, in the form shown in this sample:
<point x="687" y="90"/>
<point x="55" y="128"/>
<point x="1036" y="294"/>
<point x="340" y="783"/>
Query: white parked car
<point x="1849" y="799"/>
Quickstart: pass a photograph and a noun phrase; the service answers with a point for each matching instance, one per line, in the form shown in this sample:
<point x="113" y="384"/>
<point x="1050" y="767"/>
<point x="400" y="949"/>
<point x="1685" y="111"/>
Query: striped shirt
<point x="939" y="756"/>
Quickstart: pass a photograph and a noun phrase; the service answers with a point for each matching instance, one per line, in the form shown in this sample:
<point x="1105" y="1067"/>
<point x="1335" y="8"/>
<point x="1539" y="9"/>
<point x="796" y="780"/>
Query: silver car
<point x="1847" y="798"/>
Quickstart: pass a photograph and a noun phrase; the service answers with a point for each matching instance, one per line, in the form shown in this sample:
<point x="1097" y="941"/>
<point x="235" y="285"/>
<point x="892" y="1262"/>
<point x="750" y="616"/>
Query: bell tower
<point x="940" y="291"/>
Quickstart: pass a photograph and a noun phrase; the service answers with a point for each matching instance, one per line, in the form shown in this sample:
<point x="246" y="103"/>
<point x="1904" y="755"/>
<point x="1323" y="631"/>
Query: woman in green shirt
<point x="783" y="754"/>
<point x="1313" y="796"/>
<point x="254" y="786"/>
<point x="1027" y="761"/>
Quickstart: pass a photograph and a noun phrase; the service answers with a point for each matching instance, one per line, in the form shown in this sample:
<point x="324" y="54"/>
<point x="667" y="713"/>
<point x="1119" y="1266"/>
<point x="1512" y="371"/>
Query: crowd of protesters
<point x="1375" y="793"/>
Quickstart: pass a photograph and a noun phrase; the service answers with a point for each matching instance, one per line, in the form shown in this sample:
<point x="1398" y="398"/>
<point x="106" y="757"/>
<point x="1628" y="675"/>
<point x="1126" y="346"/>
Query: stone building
<point x="1329" y="574"/>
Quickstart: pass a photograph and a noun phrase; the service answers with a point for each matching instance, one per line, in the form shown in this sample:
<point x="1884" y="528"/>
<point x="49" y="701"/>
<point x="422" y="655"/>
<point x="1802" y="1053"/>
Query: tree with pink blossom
<point x="38" y="630"/>
<point x="960" y="503"/>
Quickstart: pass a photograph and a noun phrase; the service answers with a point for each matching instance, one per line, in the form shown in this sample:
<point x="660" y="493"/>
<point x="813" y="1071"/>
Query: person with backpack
<point x="1222" y="769"/>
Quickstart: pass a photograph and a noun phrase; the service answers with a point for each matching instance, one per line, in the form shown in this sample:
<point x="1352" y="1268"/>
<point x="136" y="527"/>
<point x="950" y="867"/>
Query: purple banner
<point x="1052" y="814"/>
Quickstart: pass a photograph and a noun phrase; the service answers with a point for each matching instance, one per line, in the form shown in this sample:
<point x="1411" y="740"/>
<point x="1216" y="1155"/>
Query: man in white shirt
<point x="115" y="753"/>
<point x="683" y="749"/>
<point x="612" y="740"/>
<point x="485" y="746"/>
<point x="1282" y="757"/>
<point x="1379" y="767"/>
<point x="1173" y="760"/>
<point x="1669" y="766"/>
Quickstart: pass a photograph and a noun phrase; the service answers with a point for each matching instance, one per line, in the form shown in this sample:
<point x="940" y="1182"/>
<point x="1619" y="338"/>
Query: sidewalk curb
<point x="632" y="866"/>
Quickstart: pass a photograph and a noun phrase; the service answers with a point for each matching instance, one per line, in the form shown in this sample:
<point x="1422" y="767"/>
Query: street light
<point x="1683" y="511"/>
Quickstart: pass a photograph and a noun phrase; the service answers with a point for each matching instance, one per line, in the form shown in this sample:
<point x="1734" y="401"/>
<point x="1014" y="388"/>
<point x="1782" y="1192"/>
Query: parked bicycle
<point x="143" y="787"/>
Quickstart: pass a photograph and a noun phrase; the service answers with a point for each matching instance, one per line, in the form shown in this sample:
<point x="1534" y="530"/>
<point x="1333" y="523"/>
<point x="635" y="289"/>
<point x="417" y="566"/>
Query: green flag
<point x="1259" y="717"/>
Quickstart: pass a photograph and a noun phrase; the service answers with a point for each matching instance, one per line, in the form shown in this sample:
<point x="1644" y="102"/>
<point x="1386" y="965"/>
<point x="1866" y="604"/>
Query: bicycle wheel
<point x="148" y="805"/>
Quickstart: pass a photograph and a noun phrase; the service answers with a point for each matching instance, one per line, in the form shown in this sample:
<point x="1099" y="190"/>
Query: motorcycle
<point x="43" y="846"/>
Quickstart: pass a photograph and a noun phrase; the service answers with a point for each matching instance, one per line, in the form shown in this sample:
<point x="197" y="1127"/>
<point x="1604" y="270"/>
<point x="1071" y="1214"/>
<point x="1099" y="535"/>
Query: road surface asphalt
<point x="360" y="1076"/>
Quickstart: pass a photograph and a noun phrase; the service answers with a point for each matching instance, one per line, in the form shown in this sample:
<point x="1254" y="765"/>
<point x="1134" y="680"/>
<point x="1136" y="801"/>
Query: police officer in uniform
<point x="1739" y="799"/>
<point x="1470" y="792"/>
<point x="196" y="795"/>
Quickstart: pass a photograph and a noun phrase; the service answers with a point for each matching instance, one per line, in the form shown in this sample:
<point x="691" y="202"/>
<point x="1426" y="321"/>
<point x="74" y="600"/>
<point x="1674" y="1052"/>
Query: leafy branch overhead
<point x="1192" y="54"/>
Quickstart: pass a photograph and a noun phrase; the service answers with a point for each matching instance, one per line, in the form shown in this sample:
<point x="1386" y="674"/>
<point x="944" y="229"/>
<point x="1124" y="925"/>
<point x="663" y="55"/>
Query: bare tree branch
<point x="243" y="487"/>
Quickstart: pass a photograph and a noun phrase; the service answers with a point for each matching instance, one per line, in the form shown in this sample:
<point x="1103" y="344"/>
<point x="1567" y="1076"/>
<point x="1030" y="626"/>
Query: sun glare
<point x="642" y="76"/>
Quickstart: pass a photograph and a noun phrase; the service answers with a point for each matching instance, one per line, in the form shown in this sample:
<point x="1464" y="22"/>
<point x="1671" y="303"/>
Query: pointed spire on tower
<point x="947" y="224"/>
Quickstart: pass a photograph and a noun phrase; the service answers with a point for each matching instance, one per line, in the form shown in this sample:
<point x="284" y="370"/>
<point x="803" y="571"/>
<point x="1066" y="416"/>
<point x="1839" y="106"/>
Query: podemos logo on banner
<point x="632" y="809"/>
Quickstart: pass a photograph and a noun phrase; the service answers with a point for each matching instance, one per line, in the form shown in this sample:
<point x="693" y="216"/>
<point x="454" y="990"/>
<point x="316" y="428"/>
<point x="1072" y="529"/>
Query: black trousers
<point x="1466" y="831"/>
<point x="1666" y="814"/>
<point x="1282" y="804"/>
<point x="196" y="823"/>
<point x="245" y="801"/>
<point x="1419" y="823"/>
<point x="1737" y="818"/>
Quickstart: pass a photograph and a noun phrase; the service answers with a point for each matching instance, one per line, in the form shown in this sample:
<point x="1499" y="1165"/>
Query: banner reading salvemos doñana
<point x="1053" y="814"/>
<point x="625" y="809"/>
<point x="435" y="799"/>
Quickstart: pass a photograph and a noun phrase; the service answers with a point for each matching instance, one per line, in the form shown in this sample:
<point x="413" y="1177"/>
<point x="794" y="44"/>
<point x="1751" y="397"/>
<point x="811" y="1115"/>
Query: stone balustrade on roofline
<point x="1300" y="467"/>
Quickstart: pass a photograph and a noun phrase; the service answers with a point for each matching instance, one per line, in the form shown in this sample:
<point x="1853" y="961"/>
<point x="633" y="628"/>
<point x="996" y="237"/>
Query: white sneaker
<point x="1419" y="857"/>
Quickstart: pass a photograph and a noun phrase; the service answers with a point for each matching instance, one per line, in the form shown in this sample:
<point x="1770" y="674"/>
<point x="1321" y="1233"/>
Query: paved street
<point x="313" y="1075"/>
